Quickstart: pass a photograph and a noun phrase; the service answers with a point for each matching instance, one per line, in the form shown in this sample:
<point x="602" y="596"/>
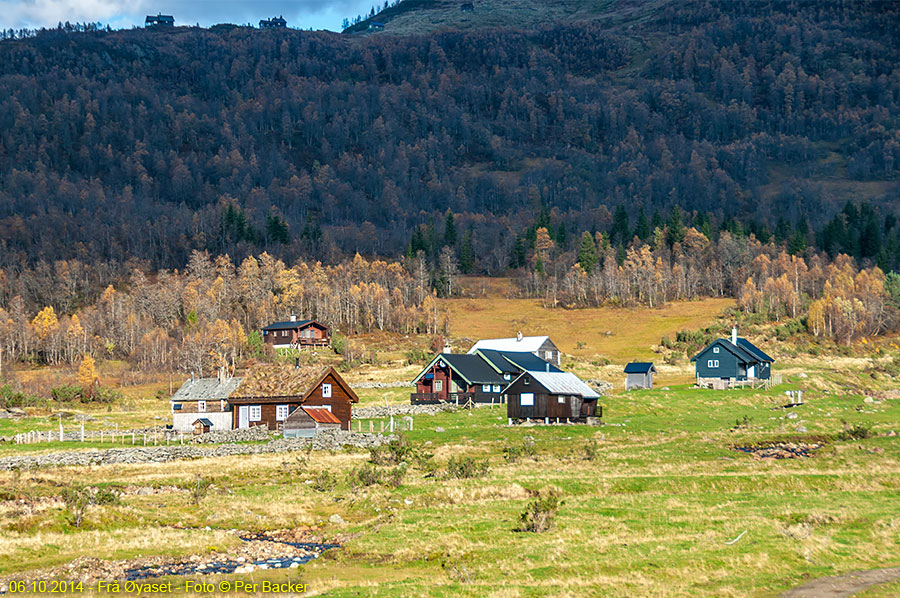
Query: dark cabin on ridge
<point x="267" y="396"/>
<point x="455" y="378"/>
<point x="159" y="20"/>
<point x="558" y="396"/>
<point x="276" y="23"/>
<point x="639" y="374"/>
<point x="734" y="359"/>
<point x="296" y="334"/>
<point x="541" y="346"/>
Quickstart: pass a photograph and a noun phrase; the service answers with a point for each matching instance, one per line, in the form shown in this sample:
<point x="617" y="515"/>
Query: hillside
<point x="150" y="144"/>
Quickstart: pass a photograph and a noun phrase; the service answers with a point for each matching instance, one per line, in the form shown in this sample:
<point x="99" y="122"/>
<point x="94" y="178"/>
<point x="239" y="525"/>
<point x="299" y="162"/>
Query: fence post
<point x="382" y="427"/>
<point x="371" y="426"/>
<point x="132" y="438"/>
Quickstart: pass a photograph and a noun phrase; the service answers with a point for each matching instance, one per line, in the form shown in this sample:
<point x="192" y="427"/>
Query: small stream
<point x="312" y="550"/>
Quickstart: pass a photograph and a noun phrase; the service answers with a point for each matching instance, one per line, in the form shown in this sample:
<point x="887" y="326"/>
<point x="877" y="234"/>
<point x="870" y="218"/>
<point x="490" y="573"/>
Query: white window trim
<point x="201" y="406"/>
<point x="496" y="388"/>
<point x="712" y="363"/>
<point x="281" y="412"/>
<point x="485" y="388"/>
<point x="561" y="400"/>
<point x="326" y="391"/>
<point x="526" y="399"/>
<point x="255" y="413"/>
<point x="715" y="349"/>
<point x="438" y="385"/>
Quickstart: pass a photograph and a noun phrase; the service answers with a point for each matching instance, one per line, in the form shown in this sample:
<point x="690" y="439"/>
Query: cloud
<point x="123" y="13"/>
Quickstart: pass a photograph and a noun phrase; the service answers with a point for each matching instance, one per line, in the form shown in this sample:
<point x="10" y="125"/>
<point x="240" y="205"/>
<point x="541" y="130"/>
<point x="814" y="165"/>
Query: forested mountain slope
<point x="150" y="144"/>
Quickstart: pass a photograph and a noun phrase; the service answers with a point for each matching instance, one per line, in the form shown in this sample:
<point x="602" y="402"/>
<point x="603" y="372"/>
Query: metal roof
<point x="291" y="324"/>
<point x="740" y="350"/>
<point x="206" y="389"/>
<point x="517" y="361"/>
<point x="474" y="369"/>
<point x="753" y="349"/>
<point x="322" y="415"/>
<point x="563" y="383"/>
<point x="639" y="367"/>
<point x="204" y="421"/>
<point x="528" y="344"/>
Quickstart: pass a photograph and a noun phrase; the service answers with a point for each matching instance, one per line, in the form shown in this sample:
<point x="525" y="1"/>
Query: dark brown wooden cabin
<point x="551" y="396"/>
<point x="268" y="396"/>
<point x="456" y="378"/>
<point x="296" y="334"/>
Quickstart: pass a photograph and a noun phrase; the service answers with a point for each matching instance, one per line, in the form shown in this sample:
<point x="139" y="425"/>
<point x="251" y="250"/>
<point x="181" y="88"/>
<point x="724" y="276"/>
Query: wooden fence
<point x="102" y="437"/>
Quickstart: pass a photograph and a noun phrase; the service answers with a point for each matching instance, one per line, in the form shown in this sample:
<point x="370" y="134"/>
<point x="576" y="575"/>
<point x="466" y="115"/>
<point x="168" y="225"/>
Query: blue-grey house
<point x="731" y="359"/>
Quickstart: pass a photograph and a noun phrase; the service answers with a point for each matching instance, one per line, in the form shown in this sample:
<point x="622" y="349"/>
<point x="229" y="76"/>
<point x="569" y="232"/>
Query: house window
<point x="548" y="355"/>
<point x="526" y="381"/>
<point x="715" y="349"/>
<point x="561" y="400"/>
<point x="255" y="413"/>
<point x="281" y="412"/>
<point x="496" y="388"/>
<point x="326" y="391"/>
<point x="438" y="385"/>
<point x="201" y="406"/>
<point x="507" y="376"/>
<point x="485" y="388"/>
<point x="526" y="399"/>
<point x="176" y="407"/>
<point x="713" y="363"/>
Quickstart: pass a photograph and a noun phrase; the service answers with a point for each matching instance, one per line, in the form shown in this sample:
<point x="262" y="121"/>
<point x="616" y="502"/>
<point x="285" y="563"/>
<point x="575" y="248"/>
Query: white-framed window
<point x="201" y="406"/>
<point x="255" y="413"/>
<point x="507" y="376"/>
<point x="713" y="363"/>
<point x="326" y="391"/>
<point x="715" y="349"/>
<point x="281" y="412"/>
<point x="548" y="355"/>
<point x="561" y="400"/>
<point x="438" y="385"/>
<point x="526" y="381"/>
<point x="526" y="399"/>
<point x="485" y="388"/>
<point x="496" y="388"/>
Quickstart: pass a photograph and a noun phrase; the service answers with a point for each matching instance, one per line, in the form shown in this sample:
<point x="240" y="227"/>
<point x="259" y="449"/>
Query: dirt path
<point x="843" y="585"/>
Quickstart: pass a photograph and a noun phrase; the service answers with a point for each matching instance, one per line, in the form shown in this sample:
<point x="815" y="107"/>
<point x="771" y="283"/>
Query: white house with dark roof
<point x="540" y="346"/>
<point x="203" y="398"/>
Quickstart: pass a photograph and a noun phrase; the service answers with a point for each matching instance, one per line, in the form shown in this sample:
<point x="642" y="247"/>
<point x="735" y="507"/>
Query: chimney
<point x="192" y="377"/>
<point x="293" y="318"/>
<point x="734" y="335"/>
<point x="447" y="347"/>
<point x="548" y="367"/>
<point x="297" y="364"/>
<point x="222" y="375"/>
<point x="519" y="337"/>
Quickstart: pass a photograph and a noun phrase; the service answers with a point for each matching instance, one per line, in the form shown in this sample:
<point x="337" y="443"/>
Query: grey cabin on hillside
<point x="731" y="359"/>
<point x="639" y="374"/>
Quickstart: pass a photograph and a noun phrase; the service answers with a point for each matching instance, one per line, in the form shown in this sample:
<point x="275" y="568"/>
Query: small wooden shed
<point x="305" y="422"/>
<point x="202" y="426"/>
<point x="639" y="374"/>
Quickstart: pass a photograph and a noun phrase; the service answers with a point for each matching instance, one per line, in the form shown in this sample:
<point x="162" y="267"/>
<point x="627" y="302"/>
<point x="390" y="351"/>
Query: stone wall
<point x="389" y="410"/>
<point x="325" y="440"/>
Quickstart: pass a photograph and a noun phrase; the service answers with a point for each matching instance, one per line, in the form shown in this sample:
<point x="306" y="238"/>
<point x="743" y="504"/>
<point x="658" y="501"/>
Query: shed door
<point x="751" y="371"/>
<point x="244" y="416"/>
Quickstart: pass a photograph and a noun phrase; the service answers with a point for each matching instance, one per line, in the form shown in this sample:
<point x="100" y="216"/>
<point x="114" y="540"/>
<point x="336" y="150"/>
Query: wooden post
<point x="371" y="426"/>
<point x="82" y="430"/>
<point x="145" y="439"/>
<point x="132" y="438"/>
<point x="382" y="427"/>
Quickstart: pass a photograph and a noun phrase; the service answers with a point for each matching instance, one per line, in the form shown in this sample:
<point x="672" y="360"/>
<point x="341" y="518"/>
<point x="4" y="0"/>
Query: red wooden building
<point x="296" y="334"/>
<point x="268" y="396"/>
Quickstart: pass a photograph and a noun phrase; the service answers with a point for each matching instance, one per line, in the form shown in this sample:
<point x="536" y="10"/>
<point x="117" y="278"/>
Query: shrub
<point x="397" y="450"/>
<point x="854" y="432"/>
<point x="369" y="475"/>
<point x="591" y="450"/>
<point x="539" y="515"/>
<point x="515" y="452"/>
<point x="73" y="393"/>
<point x="15" y="398"/>
<point x="324" y="481"/>
<point x="77" y="501"/>
<point x="467" y="467"/>
<point x="417" y="356"/>
<point x="199" y="490"/>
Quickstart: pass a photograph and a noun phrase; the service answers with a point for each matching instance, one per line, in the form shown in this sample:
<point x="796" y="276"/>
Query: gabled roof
<point x="474" y="369"/>
<point x="562" y="383"/>
<point x="640" y="367"/>
<point x="741" y="350"/>
<point x="281" y="381"/>
<point x="203" y="421"/>
<point x="206" y="389"/>
<point x="322" y="415"/>
<point x="753" y="349"/>
<point x="528" y="344"/>
<point x="293" y="324"/>
<point x="515" y="361"/>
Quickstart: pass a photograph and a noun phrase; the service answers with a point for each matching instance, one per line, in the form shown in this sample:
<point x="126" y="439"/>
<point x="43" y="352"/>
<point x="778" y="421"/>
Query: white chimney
<point x="447" y="347"/>
<point x="734" y="335"/>
<point x="548" y="368"/>
<point x="293" y="318"/>
<point x="519" y="337"/>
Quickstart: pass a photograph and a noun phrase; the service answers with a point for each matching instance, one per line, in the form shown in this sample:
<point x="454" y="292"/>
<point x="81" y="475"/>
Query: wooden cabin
<point x="552" y="397"/>
<point x="540" y="346"/>
<point x="639" y="374"/>
<point x="455" y="378"/>
<point x="159" y="20"/>
<point x="735" y="359"/>
<point x="203" y="397"/>
<point x="306" y="422"/>
<point x="269" y="395"/>
<point x="296" y="334"/>
<point x="202" y="426"/>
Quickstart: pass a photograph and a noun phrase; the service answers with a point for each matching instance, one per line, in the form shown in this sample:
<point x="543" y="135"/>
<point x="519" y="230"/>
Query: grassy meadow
<point x="655" y="502"/>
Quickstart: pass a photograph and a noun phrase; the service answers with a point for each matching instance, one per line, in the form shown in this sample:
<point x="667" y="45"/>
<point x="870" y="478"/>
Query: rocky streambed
<point x="781" y="450"/>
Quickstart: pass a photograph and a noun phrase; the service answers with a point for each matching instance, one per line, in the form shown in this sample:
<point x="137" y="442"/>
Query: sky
<point x="303" y="14"/>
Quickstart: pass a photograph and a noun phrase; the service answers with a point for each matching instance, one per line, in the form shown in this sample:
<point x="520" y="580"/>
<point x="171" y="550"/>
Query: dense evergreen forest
<point x="756" y="117"/>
